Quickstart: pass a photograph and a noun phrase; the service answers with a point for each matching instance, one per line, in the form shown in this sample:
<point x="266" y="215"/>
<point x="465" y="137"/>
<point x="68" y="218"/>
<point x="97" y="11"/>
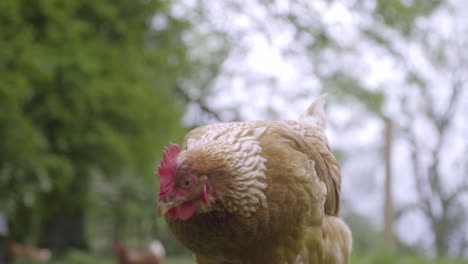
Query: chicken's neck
<point x="238" y="147"/>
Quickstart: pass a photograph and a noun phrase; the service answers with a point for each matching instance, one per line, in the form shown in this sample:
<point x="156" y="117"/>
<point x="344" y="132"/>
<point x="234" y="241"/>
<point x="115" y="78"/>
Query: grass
<point x="375" y="259"/>
<point x="78" y="257"/>
<point x="180" y="260"/>
<point x="385" y="258"/>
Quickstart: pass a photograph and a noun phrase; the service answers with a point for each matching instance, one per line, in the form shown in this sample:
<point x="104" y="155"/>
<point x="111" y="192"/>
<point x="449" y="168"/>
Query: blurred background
<point x="91" y="92"/>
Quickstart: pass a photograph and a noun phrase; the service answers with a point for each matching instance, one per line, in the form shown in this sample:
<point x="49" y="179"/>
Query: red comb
<point x="167" y="169"/>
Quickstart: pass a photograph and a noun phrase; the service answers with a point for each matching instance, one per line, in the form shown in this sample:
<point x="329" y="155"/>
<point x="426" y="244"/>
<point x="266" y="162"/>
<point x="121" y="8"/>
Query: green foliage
<point x="401" y="14"/>
<point x="72" y="257"/>
<point x="366" y="237"/>
<point x="80" y="257"/>
<point x="180" y="260"/>
<point x="85" y="92"/>
<point x="383" y="257"/>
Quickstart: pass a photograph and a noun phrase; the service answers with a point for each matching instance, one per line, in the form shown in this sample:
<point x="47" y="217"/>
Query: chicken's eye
<point x="187" y="183"/>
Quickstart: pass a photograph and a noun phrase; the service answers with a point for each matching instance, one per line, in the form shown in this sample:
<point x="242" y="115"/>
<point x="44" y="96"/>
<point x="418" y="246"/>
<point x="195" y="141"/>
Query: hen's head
<point x="224" y="170"/>
<point x="180" y="187"/>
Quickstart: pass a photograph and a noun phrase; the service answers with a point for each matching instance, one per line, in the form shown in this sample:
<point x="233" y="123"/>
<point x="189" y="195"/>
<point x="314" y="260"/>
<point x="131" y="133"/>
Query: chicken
<point x="256" y="192"/>
<point x="155" y="254"/>
<point x="18" y="251"/>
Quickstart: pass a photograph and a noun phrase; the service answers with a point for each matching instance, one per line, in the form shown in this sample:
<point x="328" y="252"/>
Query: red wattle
<point x="183" y="211"/>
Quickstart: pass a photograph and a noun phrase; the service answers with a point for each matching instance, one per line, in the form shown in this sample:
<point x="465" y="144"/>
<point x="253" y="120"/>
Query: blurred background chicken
<point x="256" y="192"/>
<point x="154" y="254"/>
<point x="18" y="251"/>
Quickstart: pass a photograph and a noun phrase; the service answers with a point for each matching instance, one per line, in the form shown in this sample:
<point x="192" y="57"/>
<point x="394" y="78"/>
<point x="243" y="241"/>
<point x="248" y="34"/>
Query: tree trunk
<point x="65" y="225"/>
<point x="389" y="239"/>
<point x="441" y="247"/>
<point x="65" y="231"/>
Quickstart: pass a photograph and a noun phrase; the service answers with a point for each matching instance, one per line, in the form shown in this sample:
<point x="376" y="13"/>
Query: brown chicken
<point x="256" y="192"/>
<point x="17" y="251"/>
<point x="155" y="254"/>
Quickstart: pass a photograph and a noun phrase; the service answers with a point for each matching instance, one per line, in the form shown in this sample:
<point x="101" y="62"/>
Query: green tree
<point x="85" y="89"/>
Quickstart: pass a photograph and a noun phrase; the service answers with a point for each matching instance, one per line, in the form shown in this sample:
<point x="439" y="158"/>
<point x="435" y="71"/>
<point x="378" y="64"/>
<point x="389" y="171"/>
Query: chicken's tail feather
<point x="315" y="113"/>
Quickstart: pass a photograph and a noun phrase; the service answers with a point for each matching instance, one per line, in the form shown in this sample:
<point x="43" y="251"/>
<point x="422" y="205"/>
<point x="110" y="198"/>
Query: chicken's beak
<point x="165" y="206"/>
